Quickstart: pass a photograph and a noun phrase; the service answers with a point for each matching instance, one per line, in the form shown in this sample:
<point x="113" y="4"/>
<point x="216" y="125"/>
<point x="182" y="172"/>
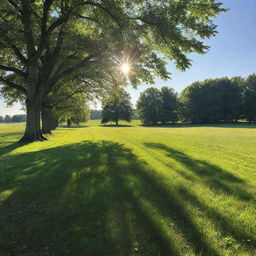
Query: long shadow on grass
<point x="213" y="125"/>
<point x="213" y="176"/>
<point x="10" y="147"/>
<point x="218" y="180"/>
<point x="113" y="125"/>
<point x="93" y="198"/>
<point x="8" y="142"/>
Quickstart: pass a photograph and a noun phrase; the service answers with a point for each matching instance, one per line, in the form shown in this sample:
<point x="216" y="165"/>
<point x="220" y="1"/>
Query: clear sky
<point x="232" y="52"/>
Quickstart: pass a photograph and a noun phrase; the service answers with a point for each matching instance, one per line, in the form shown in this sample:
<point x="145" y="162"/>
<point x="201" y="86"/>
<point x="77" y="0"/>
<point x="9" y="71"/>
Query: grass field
<point x="132" y="190"/>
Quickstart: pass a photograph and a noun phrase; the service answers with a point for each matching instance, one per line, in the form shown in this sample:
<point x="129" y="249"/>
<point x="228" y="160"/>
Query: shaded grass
<point x="128" y="191"/>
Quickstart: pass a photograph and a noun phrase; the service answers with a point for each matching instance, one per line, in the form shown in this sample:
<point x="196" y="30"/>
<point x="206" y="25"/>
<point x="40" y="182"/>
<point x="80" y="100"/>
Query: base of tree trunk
<point x="33" y="130"/>
<point x="32" y="138"/>
<point x="46" y="132"/>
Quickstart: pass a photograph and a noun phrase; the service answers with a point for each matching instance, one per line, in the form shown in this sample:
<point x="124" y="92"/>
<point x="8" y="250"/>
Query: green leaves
<point x="116" y="106"/>
<point x="212" y="100"/>
<point x="163" y="29"/>
<point x="156" y="106"/>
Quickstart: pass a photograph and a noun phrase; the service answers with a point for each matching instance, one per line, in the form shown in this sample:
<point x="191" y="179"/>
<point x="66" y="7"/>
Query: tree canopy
<point x="155" y="105"/>
<point x="212" y="100"/>
<point x="117" y="106"/>
<point x="168" y="105"/>
<point x="148" y="106"/>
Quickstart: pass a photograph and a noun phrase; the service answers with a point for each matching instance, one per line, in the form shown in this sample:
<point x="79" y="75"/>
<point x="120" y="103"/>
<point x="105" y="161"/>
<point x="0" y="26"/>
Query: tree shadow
<point x="94" y="198"/>
<point x="10" y="136"/>
<point x="230" y="229"/>
<point x="212" y="175"/>
<point x="113" y="125"/>
<point x="73" y="127"/>
<point x="209" y="125"/>
<point x="10" y="147"/>
<point x="9" y="141"/>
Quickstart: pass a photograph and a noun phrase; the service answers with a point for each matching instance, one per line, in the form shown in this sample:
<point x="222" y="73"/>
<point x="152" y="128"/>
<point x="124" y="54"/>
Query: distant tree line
<point x="97" y="114"/>
<point x="219" y="100"/>
<point x="14" y="118"/>
<point x="210" y="101"/>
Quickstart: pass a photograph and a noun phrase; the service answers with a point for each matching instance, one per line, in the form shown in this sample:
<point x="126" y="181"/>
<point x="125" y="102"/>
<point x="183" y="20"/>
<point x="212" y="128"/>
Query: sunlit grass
<point x="129" y="190"/>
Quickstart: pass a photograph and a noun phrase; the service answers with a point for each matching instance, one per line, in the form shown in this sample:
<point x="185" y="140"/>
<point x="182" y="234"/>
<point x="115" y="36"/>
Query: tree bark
<point x="116" y="122"/>
<point x="54" y="124"/>
<point x="33" y="130"/>
<point x="46" y="121"/>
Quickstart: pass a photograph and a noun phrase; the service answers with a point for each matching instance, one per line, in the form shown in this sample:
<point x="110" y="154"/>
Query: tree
<point x="249" y="96"/>
<point x="43" y="42"/>
<point x="1" y="118"/>
<point x="168" y="105"/>
<point x="7" y="118"/>
<point x="117" y="106"/>
<point x="149" y="106"/>
<point x="19" y="118"/>
<point x="80" y="114"/>
<point x="212" y="100"/>
<point x="65" y="103"/>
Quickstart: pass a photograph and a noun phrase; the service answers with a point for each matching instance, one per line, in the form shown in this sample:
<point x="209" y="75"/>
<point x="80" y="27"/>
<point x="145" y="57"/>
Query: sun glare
<point x="125" y="68"/>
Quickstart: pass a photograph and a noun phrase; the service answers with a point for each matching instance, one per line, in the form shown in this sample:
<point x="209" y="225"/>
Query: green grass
<point x="98" y="191"/>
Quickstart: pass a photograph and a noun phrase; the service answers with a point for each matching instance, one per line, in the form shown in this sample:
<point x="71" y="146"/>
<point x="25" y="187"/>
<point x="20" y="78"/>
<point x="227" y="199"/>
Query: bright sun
<point x="125" y="68"/>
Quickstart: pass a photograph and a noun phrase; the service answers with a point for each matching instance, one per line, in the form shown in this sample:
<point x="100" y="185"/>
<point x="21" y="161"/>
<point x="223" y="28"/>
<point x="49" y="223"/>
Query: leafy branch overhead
<point x="46" y="33"/>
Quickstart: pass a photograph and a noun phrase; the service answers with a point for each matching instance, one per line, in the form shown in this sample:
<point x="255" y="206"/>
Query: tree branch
<point x="13" y="85"/>
<point x="19" y="54"/>
<point x="28" y="32"/>
<point x="71" y="69"/>
<point x="49" y="60"/>
<point x="88" y="18"/>
<point x="103" y="8"/>
<point x="46" y="32"/>
<point x="13" y="4"/>
<point x="57" y="23"/>
<point x="12" y="69"/>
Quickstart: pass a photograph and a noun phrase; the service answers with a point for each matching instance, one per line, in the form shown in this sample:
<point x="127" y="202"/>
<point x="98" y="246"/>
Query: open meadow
<point x="129" y="190"/>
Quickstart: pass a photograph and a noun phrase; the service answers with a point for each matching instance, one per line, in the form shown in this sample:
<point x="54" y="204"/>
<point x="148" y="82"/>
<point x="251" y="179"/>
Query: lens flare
<point x="125" y="68"/>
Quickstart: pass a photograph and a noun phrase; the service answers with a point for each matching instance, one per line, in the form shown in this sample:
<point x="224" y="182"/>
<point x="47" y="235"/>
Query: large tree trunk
<point x="33" y="129"/>
<point x="48" y="122"/>
<point x="54" y="123"/>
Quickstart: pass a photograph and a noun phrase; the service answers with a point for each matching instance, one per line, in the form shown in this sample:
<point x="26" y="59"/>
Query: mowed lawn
<point x="131" y="190"/>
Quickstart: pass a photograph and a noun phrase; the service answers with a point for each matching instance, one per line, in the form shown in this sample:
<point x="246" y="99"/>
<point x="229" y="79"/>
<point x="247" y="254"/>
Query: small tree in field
<point x="149" y="105"/>
<point x="117" y="107"/>
<point x="8" y="118"/>
<point x="169" y="105"/>
<point x="80" y="115"/>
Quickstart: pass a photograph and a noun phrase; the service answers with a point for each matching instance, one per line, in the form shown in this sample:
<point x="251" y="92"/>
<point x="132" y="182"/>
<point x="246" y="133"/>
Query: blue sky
<point x="232" y="52"/>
